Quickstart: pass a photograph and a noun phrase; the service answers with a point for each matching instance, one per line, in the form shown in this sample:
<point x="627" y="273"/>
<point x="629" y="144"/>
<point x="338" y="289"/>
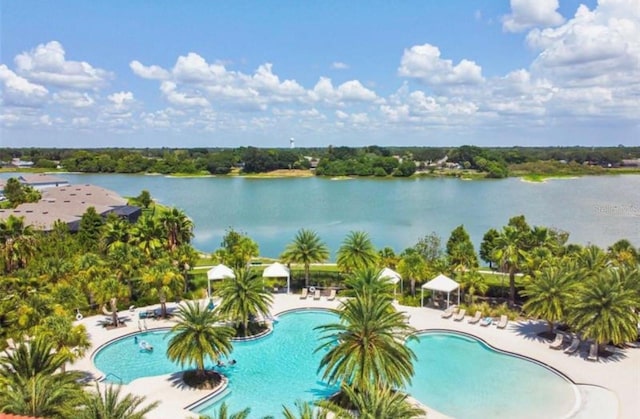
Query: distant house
<point x="631" y="162"/>
<point x="68" y="204"/>
<point x="21" y="163"/>
<point x="41" y="181"/>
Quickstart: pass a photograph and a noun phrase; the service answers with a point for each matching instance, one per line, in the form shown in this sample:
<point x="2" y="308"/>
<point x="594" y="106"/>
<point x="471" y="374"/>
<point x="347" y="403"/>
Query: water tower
<point x="292" y="143"/>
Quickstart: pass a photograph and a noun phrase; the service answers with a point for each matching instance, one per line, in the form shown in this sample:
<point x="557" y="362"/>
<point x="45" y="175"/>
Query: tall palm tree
<point x="550" y="293"/>
<point x="306" y="248"/>
<point x="368" y="280"/>
<point x="178" y="228"/>
<point x="147" y="233"/>
<point x="116" y="232"/>
<point x="373" y="403"/>
<point x="107" y="291"/>
<point x="622" y="253"/>
<point x="163" y="281"/>
<point x="69" y="340"/>
<point x="413" y="266"/>
<point x="356" y="252"/>
<point x="367" y="344"/>
<point x="602" y="310"/>
<point x="111" y="404"/>
<point x="223" y="413"/>
<point x="244" y="298"/>
<point x="197" y="336"/>
<point x="472" y="282"/>
<point x="509" y="251"/>
<point x="305" y="410"/>
<point x="32" y="385"/>
<point x="17" y="243"/>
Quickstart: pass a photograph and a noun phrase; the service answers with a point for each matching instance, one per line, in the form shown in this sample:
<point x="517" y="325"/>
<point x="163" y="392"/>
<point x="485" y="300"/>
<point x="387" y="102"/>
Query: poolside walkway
<point x="609" y="388"/>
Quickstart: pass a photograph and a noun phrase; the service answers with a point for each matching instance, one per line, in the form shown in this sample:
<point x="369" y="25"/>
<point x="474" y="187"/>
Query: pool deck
<point x="609" y="388"/>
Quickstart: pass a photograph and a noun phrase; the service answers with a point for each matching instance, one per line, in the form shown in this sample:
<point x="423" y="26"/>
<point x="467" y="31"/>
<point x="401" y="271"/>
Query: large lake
<point x="395" y="213"/>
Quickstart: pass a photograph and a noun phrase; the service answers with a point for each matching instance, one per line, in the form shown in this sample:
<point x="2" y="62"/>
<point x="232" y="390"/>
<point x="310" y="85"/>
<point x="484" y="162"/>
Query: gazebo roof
<point x="441" y="283"/>
<point x="276" y="270"/>
<point x="220" y="272"/>
<point x="390" y="275"/>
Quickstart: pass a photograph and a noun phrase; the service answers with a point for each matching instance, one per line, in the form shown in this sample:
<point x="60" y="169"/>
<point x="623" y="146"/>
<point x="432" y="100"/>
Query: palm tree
<point x="357" y="251"/>
<point x="147" y="233"/>
<point x="223" y="413"/>
<point x="472" y="282"/>
<point x="306" y="248"/>
<point x="197" y="337"/>
<point x="243" y="299"/>
<point x="367" y="345"/>
<point x="305" y="410"/>
<point x="163" y="281"/>
<point x="112" y="405"/>
<point x="622" y="252"/>
<point x="115" y="233"/>
<point x="31" y="384"/>
<point x="602" y="310"/>
<point x="178" y="228"/>
<point x="510" y="254"/>
<point x="373" y="403"/>
<point x="368" y="280"/>
<point x="108" y="290"/>
<point x="550" y="293"/>
<point x="17" y="243"/>
<point x="413" y="266"/>
<point x="67" y="339"/>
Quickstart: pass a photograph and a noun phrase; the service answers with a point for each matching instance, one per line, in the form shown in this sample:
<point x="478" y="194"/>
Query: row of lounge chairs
<point x="558" y="343"/>
<point x="458" y="315"/>
<point x="316" y="294"/>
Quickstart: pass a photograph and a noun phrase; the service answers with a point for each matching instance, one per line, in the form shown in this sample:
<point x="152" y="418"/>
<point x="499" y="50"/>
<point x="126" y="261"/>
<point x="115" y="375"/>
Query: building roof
<point x="68" y="204"/>
<point x="42" y="179"/>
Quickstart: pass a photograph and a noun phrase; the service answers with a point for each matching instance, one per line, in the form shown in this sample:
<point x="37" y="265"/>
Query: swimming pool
<point x="275" y="370"/>
<point x="464" y="378"/>
<point x="454" y="373"/>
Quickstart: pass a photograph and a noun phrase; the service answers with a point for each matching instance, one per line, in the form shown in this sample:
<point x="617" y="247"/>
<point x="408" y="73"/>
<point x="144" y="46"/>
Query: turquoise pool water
<point x="275" y="370"/>
<point x="464" y="378"/>
<point x="455" y="374"/>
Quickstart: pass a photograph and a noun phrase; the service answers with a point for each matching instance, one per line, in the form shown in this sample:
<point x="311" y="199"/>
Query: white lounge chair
<point x="575" y="343"/>
<point x="475" y="319"/>
<point x="460" y="316"/>
<point x="558" y="341"/>
<point x="305" y="294"/>
<point x="503" y="321"/>
<point x="332" y="295"/>
<point x="487" y="321"/>
<point x="449" y="312"/>
<point x="593" y="352"/>
<point x="316" y="294"/>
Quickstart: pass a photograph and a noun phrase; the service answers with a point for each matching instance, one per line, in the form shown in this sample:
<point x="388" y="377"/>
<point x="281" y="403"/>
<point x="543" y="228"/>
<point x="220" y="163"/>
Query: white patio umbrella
<point x="391" y="276"/>
<point x="217" y="273"/>
<point x="440" y="283"/>
<point x="278" y="270"/>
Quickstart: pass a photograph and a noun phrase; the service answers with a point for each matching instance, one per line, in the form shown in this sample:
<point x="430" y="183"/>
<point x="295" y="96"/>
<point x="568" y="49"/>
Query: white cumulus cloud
<point x="423" y="63"/>
<point x="46" y="64"/>
<point x="527" y="14"/>
<point x="19" y="91"/>
<point x="338" y="65"/>
<point x="152" y="72"/>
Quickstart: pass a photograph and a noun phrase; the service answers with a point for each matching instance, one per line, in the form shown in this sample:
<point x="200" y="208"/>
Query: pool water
<point x="454" y="374"/>
<point x="270" y="372"/>
<point x="464" y="378"/>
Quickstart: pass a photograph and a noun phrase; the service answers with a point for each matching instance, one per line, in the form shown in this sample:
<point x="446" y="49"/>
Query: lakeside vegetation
<point x="466" y="162"/>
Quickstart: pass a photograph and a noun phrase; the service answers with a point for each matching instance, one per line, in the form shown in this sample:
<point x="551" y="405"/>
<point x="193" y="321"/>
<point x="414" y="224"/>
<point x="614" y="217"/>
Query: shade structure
<point x="441" y="283"/>
<point x="217" y="273"/>
<point x="278" y="270"/>
<point x="391" y="276"/>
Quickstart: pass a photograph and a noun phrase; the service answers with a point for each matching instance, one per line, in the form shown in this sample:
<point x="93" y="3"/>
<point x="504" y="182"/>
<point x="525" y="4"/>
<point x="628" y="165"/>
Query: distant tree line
<point x="496" y="162"/>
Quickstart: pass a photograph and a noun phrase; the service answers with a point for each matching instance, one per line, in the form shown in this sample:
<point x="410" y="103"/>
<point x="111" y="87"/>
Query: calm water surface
<point x="396" y="213"/>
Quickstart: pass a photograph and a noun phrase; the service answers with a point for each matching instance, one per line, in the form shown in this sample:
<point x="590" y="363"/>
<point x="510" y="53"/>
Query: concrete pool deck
<point x="609" y="388"/>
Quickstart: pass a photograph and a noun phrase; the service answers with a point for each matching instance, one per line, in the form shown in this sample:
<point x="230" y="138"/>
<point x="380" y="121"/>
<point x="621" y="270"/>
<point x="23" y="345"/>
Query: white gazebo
<point x="441" y="283"/>
<point x="278" y="270"/>
<point x="217" y="273"/>
<point x="392" y="277"/>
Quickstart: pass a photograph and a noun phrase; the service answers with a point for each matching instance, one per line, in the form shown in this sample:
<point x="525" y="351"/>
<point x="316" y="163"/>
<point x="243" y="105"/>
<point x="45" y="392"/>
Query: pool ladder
<point x="111" y="375"/>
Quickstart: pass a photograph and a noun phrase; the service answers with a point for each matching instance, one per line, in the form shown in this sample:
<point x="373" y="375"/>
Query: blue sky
<point x="237" y="73"/>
